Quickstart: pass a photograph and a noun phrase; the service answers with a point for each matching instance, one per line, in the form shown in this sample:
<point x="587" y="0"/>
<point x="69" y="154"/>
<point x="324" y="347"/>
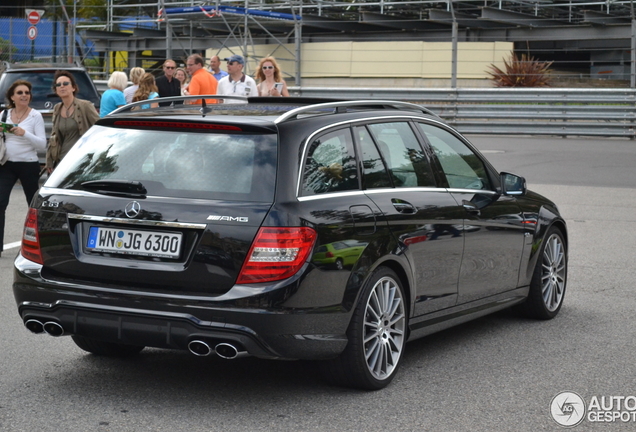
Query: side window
<point x="330" y="165"/>
<point x="403" y="155"/>
<point x="375" y="174"/>
<point x="462" y="167"/>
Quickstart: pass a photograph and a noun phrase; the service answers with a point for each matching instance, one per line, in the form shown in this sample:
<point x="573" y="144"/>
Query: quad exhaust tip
<point x="224" y="350"/>
<point x="49" y="327"/>
<point x="53" y="328"/>
<point x="34" y="326"/>
<point x="199" y="348"/>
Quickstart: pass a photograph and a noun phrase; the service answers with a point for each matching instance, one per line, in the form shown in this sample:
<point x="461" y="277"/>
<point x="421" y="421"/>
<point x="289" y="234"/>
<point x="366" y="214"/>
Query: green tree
<point x="6" y="49"/>
<point x="90" y="9"/>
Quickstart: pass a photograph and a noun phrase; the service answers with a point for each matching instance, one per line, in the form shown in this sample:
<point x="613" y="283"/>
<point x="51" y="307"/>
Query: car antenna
<point x="204" y="108"/>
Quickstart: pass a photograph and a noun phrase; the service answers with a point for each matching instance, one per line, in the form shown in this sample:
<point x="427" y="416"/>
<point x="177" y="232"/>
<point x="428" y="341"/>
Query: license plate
<point x="134" y="242"/>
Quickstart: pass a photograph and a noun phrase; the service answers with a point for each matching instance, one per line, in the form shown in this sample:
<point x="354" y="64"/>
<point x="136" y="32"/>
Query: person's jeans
<point x="28" y="173"/>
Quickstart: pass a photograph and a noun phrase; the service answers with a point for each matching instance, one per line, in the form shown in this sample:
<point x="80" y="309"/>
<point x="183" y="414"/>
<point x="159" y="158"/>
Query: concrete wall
<point x="390" y="62"/>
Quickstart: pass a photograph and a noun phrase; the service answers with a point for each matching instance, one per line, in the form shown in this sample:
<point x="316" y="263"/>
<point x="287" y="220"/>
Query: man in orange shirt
<point x="202" y="81"/>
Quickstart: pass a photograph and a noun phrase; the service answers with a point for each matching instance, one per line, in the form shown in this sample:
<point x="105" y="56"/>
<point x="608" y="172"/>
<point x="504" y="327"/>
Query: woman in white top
<point x="22" y="143"/>
<point x="270" y="82"/>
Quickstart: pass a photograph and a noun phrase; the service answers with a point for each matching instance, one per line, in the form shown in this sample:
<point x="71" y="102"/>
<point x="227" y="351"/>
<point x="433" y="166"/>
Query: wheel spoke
<point x="547" y="293"/>
<point x="374" y="306"/>
<point x="372" y="351"/>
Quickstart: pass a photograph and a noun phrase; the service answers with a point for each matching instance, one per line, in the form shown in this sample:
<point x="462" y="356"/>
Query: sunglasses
<point x="60" y="84"/>
<point x="169" y="67"/>
<point x="20" y="92"/>
<point x="268" y="67"/>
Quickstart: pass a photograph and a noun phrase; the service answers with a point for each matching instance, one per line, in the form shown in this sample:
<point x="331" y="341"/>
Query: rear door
<point x="345" y="219"/>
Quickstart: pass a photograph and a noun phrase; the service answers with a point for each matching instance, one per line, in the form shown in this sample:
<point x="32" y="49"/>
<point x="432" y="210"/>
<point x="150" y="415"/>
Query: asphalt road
<point x="499" y="373"/>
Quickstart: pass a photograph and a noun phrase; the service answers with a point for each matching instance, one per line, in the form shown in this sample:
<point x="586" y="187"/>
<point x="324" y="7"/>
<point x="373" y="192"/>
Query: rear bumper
<point x="165" y="322"/>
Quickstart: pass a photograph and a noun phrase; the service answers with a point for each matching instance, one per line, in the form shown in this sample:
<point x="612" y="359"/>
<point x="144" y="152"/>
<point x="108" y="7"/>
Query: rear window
<point x="229" y="166"/>
<point x="42" y="83"/>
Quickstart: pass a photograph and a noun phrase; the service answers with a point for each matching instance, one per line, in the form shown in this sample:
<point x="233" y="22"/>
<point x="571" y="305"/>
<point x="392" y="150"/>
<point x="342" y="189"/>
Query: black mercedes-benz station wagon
<point x="196" y="228"/>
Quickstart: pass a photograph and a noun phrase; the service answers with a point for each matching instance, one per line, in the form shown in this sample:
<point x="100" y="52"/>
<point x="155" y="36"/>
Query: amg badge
<point x="228" y="218"/>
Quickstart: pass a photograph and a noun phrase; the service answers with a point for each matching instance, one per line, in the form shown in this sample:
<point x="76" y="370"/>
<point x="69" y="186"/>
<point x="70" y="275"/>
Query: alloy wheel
<point x="384" y="328"/>
<point x="553" y="273"/>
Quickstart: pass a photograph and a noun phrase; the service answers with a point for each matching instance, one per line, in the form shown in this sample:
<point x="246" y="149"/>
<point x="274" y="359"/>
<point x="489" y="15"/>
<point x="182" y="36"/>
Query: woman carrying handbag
<point x="71" y="119"/>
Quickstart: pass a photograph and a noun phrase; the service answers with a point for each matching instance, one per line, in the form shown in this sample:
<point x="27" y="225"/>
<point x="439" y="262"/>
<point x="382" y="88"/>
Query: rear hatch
<point x="162" y="206"/>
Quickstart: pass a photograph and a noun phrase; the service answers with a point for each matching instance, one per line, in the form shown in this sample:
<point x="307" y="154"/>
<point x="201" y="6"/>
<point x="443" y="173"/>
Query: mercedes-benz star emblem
<point x="48" y="105"/>
<point x="132" y="209"/>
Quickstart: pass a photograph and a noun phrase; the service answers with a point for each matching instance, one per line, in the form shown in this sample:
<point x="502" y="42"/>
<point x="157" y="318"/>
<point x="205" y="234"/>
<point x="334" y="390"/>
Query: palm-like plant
<point x="521" y="72"/>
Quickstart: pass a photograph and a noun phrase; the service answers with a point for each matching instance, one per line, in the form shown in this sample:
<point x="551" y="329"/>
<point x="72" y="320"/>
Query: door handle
<point x="403" y="206"/>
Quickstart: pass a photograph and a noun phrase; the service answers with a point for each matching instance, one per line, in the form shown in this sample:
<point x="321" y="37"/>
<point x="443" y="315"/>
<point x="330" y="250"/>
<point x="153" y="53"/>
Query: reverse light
<point x="276" y="254"/>
<point x="30" y="238"/>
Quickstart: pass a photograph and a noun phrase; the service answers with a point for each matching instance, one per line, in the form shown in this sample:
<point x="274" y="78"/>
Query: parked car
<point x="198" y="228"/>
<point x="40" y="75"/>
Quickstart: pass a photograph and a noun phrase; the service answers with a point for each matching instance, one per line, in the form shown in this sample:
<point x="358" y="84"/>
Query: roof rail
<point x="334" y="106"/>
<point x="371" y="103"/>
<point x="205" y="108"/>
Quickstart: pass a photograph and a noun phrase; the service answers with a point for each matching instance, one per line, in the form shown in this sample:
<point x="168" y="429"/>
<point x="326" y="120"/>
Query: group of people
<point x="144" y="88"/>
<point x="197" y="80"/>
<point x="72" y="117"/>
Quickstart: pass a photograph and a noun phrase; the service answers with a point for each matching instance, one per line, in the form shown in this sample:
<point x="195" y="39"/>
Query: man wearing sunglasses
<point x="167" y="84"/>
<point x="236" y="83"/>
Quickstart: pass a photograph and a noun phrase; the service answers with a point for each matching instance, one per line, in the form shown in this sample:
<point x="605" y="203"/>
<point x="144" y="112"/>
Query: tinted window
<point x="174" y="164"/>
<point x="375" y="173"/>
<point x="42" y="84"/>
<point x="330" y="165"/>
<point x="402" y="154"/>
<point x="461" y="165"/>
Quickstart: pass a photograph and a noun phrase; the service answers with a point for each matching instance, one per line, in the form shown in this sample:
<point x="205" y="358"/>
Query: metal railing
<point x="518" y="111"/>
<point x="509" y="111"/>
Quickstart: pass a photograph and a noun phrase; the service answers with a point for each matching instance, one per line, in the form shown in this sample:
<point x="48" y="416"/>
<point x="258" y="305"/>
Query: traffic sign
<point x="33" y="16"/>
<point x="32" y="32"/>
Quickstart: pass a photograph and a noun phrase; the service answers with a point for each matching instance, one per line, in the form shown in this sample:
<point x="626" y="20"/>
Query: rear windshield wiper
<point x="116" y="187"/>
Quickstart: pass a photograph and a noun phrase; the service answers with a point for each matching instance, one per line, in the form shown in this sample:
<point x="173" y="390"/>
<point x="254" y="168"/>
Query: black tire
<point x="381" y="319"/>
<point x="107" y="349"/>
<point x="547" y="288"/>
<point x="339" y="264"/>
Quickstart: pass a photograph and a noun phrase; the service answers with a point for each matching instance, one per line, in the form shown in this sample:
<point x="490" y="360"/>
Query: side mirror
<point x="512" y="184"/>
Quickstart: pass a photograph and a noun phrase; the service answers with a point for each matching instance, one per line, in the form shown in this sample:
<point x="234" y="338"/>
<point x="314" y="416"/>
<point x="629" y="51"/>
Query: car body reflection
<point x="340" y="254"/>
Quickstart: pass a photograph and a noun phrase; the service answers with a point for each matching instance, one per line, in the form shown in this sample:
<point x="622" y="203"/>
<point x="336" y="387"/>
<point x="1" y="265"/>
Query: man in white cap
<point x="236" y="83"/>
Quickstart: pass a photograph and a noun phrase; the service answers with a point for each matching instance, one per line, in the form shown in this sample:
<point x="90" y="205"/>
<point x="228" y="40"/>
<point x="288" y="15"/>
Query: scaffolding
<point x="575" y="33"/>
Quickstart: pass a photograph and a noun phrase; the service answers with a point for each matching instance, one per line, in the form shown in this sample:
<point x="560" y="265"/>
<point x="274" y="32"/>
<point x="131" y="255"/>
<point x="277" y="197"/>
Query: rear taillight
<point x="30" y="238"/>
<point x="329" y="255"/>
<point x="277" y="253"/>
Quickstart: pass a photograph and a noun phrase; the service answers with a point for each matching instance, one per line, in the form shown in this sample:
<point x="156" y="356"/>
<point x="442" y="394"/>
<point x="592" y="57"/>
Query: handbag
<point x="3" y="139"/>
<point x="53" y="149"/>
